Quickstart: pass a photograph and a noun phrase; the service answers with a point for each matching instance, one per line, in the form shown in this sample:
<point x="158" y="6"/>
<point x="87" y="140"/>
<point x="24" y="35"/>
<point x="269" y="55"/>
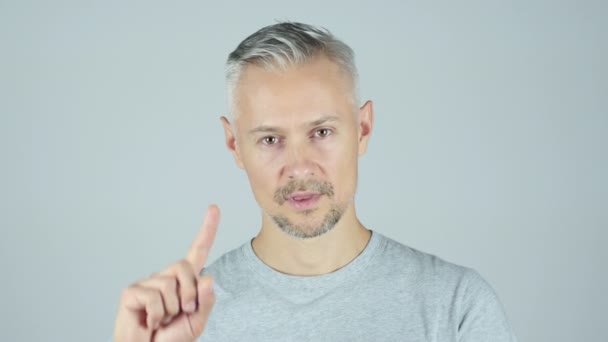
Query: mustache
<point x="322" y="187"/>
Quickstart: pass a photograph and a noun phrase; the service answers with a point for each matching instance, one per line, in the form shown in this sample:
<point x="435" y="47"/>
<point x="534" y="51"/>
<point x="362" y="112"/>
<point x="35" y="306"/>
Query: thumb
<point x="206" y="300"/>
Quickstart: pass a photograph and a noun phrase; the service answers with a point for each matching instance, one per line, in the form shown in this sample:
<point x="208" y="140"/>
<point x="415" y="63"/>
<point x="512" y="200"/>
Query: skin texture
<point x="299" y="126"/>
<point x="172" y="305"/>
<point x="296" y="130"/>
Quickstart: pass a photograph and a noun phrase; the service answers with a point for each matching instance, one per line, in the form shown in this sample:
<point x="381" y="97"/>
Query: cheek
<point x="346" y="172"/>
<point x="341" y="168"/>
<point x="262" y="185"/>
<point x="265" y="158"/>
<point x="261" y="169"/>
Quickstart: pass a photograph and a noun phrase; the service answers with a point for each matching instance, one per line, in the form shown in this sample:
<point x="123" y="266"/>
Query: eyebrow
<point x="273" y="129"/>
<point x="324" y="119"/>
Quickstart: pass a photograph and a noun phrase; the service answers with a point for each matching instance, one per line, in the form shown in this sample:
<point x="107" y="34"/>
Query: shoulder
<point x="475" y="306"/>
<point x="431" y="274"/>
<point x="414" y="263"/>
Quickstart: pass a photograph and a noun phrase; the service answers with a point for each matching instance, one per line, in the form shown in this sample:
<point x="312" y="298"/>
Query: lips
<point x="302" y="195"/>
<point x="303" y="200"/>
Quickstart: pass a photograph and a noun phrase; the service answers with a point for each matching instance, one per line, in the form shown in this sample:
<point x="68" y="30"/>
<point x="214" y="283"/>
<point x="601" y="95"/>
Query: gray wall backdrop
<point x="489" y="150"/>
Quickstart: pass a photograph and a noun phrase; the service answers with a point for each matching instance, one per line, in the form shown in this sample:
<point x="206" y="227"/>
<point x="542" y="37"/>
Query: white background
<point x="489" y="150"/>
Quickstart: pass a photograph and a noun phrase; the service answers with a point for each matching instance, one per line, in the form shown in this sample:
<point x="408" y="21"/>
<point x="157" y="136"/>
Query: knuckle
<point x="156" y="307"/>
<point x="168" y="285"/>
<point x="152" y="298"/>
<point x="179" y="267"/>
<point x="172" y="309"/>
<point x="155" y="313"/>
<point x="157" y="297"/>
<point x="128" y="292"/>
<point x="154" y="316"/>
<point x="188" y="291"/>
<point x="184" y="266"/>
<point x="187" y="300"/>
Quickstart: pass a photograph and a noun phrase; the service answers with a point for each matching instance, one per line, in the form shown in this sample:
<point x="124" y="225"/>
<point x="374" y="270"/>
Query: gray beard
<point x="307" y="231"/>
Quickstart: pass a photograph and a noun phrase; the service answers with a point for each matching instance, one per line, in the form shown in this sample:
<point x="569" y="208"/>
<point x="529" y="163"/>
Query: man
<point x="314" y="272"/>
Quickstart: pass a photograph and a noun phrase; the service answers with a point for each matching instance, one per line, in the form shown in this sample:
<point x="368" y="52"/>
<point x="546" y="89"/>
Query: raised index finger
<point x="197" y="255"/>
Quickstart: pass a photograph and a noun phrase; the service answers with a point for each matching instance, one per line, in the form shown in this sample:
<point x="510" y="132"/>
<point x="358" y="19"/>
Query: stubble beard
<point x="310" y="229"/>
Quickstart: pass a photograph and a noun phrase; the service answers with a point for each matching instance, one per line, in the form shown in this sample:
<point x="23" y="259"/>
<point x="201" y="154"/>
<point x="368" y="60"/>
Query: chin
<point x="308" y="225"/>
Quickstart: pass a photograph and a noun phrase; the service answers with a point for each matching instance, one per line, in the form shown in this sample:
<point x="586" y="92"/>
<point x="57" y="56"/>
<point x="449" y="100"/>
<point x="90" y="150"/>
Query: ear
<point x="366" y="123"/>
<point x="231" y="142"/>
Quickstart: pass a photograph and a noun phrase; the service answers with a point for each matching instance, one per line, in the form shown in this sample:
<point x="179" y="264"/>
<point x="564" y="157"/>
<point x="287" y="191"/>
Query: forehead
<point x="299" y="93"/>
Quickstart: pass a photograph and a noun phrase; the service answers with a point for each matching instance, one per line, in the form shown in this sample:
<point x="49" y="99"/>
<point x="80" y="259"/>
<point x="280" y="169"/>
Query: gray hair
<point x="285" y="44"/>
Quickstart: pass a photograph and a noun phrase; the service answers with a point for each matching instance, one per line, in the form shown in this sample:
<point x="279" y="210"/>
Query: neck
<point x="315" y="256"/>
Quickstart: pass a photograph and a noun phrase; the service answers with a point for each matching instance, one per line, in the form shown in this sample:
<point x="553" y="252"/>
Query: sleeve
<point x="483" y="318"/>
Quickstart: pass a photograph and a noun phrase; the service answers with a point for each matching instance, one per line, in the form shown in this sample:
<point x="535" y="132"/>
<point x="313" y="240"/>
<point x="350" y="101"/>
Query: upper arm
<point x="482" y="316"/>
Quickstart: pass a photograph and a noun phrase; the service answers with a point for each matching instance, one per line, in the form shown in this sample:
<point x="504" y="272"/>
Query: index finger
<point x="197" y="255"/>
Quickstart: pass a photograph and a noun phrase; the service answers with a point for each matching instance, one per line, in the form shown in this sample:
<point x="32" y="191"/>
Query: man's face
<point x="298" y="136"/>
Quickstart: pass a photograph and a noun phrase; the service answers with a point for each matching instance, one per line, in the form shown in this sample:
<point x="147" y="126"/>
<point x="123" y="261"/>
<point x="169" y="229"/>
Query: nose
<point x="298" y="162"/>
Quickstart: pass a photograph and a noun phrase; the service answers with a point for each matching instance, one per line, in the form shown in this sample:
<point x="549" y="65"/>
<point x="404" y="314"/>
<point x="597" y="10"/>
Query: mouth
<point x="303" y="200"/>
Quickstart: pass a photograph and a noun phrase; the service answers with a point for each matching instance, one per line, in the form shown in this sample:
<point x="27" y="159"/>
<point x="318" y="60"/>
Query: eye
<point x="269" y="140"/>
<point x="323" y="132"/>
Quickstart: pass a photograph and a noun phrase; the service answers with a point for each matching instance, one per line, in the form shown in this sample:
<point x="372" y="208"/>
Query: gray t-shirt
<point x="389" y="292"/>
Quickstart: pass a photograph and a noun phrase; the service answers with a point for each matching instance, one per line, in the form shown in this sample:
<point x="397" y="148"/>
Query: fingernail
<point x="190" y="307"/>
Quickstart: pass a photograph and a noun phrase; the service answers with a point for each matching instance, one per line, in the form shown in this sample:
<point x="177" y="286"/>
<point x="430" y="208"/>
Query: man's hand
<point x="172" y="305"/>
